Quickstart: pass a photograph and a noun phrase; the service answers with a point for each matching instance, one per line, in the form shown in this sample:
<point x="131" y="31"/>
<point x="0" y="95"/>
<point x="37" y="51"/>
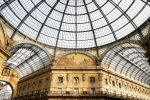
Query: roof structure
<point x="27" y="58"/>
<point x="75" y="24"/>
<point x="128" y="60"/>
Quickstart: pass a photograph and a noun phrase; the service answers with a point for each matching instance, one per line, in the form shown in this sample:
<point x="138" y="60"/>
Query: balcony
<point x="47" y="94"/>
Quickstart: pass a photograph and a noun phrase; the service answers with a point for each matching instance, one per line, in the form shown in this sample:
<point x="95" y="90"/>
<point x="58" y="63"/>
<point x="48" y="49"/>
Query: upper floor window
<point x="113" y="83"/>
<point x="40" y="82"/>
<point x="92" y="79"/>
<point x="60" y="79"/>
<point x="28" y="85"/>
<point x="76" y="79"/>
<point x="106" y="81"/>
<point x="47" y="79"/>
<point x="125" y="86"/>
<point x="24" y="87"/>
<point x="19" y="89"/>
<point x="34" y="84"/>
<point x="119" y="85"/>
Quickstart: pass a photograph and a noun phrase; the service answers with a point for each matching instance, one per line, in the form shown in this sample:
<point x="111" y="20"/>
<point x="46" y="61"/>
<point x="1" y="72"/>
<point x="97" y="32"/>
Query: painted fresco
<point x="76" y="60"/>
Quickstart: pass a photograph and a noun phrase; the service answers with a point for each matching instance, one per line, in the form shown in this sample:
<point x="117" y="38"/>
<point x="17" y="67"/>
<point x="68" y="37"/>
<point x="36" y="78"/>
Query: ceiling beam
<point x="91" y="28"/>
<point x="46" y="19"/>
<point x="128" y="17"/>
<point x="5" y="4"/>
<point x="108" y="23"/>
<point x="60" y="28"/>
<point x="25" y="17"/>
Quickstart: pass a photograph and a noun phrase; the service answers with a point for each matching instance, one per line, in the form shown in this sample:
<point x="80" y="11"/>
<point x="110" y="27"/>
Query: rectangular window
<point x="76" y="90"/>
<point x="92" y="91"/>
<point x="76" y="79"/>
<point x="59" y="90"/>
<point x="113" y="83"/>
<point x="106" y="82"/>
<point x="92" y="79"/>
<point x="119" y="85"/>
<point x="125" y="86"/>
<point x="60" y="79"/>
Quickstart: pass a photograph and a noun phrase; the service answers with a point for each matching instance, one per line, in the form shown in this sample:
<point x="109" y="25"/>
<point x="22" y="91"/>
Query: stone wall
<point x="92" y="81"/>
<point x="6" y="74"/>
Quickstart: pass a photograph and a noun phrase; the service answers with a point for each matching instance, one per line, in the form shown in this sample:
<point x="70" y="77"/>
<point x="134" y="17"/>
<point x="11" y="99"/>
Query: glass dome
<point x="75" y="23"/>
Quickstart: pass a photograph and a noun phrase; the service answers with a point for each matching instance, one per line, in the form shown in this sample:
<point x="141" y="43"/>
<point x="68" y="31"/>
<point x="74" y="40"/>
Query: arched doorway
<point x="6" y="91"/>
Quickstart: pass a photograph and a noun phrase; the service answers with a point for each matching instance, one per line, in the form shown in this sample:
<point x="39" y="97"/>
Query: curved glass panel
<point x="129" y="61"/>
<point x="75" y="23"/>
<point x="27" y="58"/>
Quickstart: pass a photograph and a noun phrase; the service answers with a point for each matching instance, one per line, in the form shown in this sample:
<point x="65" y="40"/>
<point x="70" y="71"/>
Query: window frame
<point x="76" y="80"/>
<point x="60" y="79"/>
<point x="92" y="79"/>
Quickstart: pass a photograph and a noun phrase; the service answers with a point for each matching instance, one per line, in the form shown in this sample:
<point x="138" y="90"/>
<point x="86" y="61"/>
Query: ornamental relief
<point x="9" y="72"/>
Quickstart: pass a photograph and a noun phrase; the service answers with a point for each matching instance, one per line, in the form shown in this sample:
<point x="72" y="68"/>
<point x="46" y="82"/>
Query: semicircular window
<point x="27" y="58"/>
<point x="75" y="23"/>
<point x="129" y="61"/>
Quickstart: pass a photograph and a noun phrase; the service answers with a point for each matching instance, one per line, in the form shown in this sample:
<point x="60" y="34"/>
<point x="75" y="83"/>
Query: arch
<point x="34" y="44"/>
<point x="128" y="59"/>
<point x="119" y="43"/>
<point x="27" y="58"/>
<point x="12" y="82"/>
<point x="11" y="88"/>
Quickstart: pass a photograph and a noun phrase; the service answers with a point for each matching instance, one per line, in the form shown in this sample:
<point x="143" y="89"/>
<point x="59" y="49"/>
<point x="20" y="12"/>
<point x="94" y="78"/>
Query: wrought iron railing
<point x="45" y="93"/>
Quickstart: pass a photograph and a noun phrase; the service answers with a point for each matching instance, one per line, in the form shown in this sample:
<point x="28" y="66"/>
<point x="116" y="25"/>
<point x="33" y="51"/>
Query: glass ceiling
<point x="75" y="23"/>
<point x="27" y="58"/>
<point x="129" y="61"/>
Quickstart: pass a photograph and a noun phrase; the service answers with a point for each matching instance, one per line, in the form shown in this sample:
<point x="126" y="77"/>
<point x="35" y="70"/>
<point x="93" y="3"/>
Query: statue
<point x="83" y="77"/>
<point x="100" y="75"/>
<point x="9" y="43"/>
<point x="67" y="76"/>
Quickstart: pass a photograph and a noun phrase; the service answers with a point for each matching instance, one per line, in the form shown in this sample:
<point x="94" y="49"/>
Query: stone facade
<point x="80" y="82"/>
<point x="6" y="74"/>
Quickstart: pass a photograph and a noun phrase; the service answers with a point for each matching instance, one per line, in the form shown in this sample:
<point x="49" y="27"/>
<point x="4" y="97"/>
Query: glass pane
<point x="75" y="22"/>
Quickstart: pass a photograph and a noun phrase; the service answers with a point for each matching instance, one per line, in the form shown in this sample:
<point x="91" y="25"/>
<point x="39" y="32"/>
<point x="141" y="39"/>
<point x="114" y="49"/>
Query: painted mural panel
<point x="76" y="60"/>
